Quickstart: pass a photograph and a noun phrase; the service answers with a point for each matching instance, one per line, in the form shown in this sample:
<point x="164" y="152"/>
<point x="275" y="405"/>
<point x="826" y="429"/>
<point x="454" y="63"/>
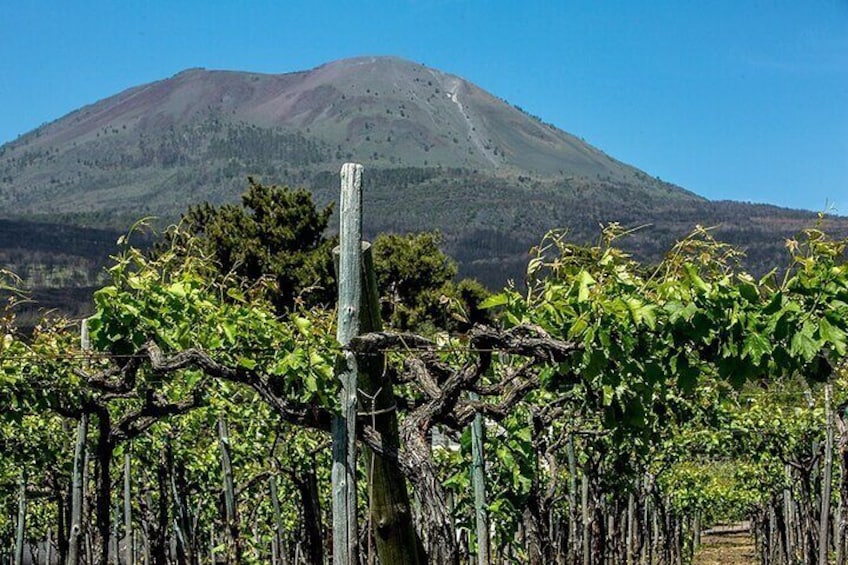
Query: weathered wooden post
<point x="826" y="479"/>
<point x="631" y="528"/>
<point x="277" y="538"/>
<point x="344" y="424"/>
<point x="478" y="478"/>
<point x="77" y="482"/>
<point x="573" y="537"/>
<point x="212" y="560"/>
<point x="584" y="506"/>
<point x="230" y="507"/>
<point x="129" y="556"/>
<point x="842" y="517"/>
<point x="389" y="505"/>
<point x="22" y="508"/>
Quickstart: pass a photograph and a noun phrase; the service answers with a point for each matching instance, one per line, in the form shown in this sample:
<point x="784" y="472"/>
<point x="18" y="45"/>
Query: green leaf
<point x="833" y="335"/>
<point x="577" y="328"/>
<point x="235" y="294"/>
<point x="634" y="304"/>
<point x="756" y="346"/>
<point x="506" y="457"/>
<point x="749" y="291"/>
<point x="609" y="393"/>
<point x="673" y="309"/>
<point x="465" y="440"/>
<point x="247" y="363"/>
<point x="687" y="375"/>
<point x="677" y="311"/>
<point x="303" y="325"/>
<point x="774" y="305"/>
<point x="311" y="383"/>
<point x="696" y="279"/>
<point x="520" y="481"/>
<point x="178" y="289"/>
<point x="229" y="329"/>
<point x="634" y="414"/>
<point x="649" y="316"/>
<point x="803" y="343"/>
<point x="494" y="301"/>
<point x="584" y="281"/>
<point x="642" y="313"/>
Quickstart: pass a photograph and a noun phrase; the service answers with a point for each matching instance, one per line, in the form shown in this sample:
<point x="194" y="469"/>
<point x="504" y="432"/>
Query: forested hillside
<point x="442" y="154"/>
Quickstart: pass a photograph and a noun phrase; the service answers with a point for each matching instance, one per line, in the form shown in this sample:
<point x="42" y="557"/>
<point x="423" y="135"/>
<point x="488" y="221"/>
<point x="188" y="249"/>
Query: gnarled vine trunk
<point x="434" y="523"/>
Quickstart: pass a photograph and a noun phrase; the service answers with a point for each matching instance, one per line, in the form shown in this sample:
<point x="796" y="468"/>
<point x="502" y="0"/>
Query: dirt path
<point x="726" y="549"/>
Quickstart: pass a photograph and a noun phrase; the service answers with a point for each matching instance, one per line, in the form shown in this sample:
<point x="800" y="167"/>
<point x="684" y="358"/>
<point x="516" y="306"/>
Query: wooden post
<point x="478" y="478"/>
<point x="574" y="548"/>
<point x="774" y="546"/>
<point x="631" y="528"/>
<point x="696" y="527"/>
<point x="277" y="538"/>
<point x="232" y="529"/>
<point x="390" y="509"/>
<point x="843" y="483"/>
<point x="610" y="537"/>
<point x="826" y="479"/>
<point x="645" y="533"/>
<point x="789" y="516"/>
<point x="184" y="532"/>
<point x="344" y="424"/>
<point x="22" y="507"/>
<point x="77" y="483"/>
<point x="584" y="506"/>
<point x="834" y="521"/>
<point x="114" y="556"/>
<point x="87" y="538"/>
<point x="128" y="529"/>
<point x="211" y="544"/>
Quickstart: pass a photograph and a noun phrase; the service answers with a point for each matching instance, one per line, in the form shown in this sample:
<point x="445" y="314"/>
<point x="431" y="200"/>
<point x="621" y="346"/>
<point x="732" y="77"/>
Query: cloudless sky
<point x="743" y="100"/>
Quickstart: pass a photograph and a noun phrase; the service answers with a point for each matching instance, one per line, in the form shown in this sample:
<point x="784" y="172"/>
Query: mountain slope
<point x="440" y="153"/>
<point x="186" y="138"/>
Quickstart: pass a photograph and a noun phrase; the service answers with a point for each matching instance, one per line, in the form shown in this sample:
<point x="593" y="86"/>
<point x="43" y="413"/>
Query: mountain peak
<point x="190" y="71"/>
<point x="371" y="60"/>
<point x="441" y="153"/>
<point x="206" y="126"/>
<point x="381" y="110"/>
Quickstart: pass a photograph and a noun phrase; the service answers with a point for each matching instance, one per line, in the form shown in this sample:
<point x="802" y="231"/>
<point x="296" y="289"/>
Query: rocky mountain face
<point x="440" y="153"/>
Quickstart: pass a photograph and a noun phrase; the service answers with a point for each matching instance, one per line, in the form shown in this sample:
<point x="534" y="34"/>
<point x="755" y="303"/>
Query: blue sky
<point x="740" y="100"/>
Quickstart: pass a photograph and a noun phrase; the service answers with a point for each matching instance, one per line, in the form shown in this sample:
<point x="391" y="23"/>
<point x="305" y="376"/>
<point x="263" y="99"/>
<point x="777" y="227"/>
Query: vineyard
<point x="607" y="412"/>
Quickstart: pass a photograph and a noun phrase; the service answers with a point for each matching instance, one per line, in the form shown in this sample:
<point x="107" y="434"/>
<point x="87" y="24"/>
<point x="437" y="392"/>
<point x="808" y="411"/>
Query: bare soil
<point x="726" y="549"/>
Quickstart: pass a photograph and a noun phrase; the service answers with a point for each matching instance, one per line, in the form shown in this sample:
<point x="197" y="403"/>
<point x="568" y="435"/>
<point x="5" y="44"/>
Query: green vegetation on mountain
<point x="440" y="154"/>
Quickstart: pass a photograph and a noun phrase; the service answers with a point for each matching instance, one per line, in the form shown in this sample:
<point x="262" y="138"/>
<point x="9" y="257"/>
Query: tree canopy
<point x="278" y="235"/>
